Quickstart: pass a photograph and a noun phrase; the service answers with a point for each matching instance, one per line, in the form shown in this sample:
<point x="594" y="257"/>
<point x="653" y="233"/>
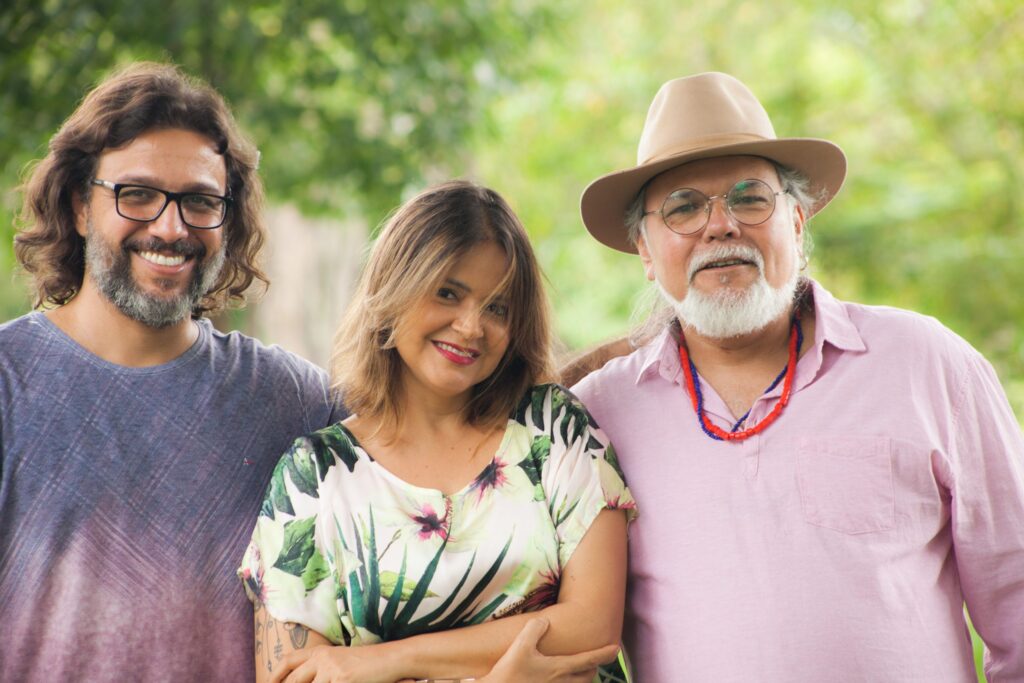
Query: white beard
<point x="728" y="312"/>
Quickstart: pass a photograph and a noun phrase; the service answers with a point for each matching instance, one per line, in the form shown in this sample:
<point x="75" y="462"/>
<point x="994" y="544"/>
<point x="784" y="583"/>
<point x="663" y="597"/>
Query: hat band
<point x="703" y="144"/>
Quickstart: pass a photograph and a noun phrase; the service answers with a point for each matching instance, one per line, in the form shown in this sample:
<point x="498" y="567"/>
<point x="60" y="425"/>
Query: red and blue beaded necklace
<point x="796" y="341"/>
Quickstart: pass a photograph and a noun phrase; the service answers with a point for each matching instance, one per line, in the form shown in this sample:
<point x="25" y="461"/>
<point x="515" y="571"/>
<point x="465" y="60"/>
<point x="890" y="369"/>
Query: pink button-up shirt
<point x="841" y="543"/>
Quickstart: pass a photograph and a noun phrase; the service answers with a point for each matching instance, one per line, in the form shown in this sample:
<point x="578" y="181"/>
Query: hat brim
<point x="604" y="202"/>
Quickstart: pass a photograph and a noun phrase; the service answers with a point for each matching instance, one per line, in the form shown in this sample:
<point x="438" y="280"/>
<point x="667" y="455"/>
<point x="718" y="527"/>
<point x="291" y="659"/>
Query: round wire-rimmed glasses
<point x="686" y="211"/>
<point x="145" y="204"/>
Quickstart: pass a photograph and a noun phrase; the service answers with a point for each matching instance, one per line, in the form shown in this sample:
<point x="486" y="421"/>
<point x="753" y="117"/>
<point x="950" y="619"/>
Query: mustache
<point x="179" y="247"/>
<point x="725" y="253"/>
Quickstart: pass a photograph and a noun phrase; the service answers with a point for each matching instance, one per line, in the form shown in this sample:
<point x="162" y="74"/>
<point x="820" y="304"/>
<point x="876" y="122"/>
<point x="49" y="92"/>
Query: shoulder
<point x="551" y="408"/>
<point x="891" y="328"/>
<point x="330" y="446"/>
<point x="244" y="364"/>
<point x="627" y="368"/>
<point x="273" y="361"/>
<point x="24" y="328"/>
<point x="30" y="344"/>
<point x="307" y="464"/>
<point x="918" y="350"/>
<point x="543" y="398"/>
<point x="624" y="373"/>
<point x="547" y="391"/>
<point x="241" y="345"/>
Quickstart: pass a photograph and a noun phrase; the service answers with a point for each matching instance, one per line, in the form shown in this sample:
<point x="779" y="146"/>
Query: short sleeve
<point x="288" y="566"/>
<point x="579" y="472"/>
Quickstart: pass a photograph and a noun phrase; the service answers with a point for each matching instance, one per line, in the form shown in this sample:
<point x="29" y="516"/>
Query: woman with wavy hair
<point x="463" y="495"/>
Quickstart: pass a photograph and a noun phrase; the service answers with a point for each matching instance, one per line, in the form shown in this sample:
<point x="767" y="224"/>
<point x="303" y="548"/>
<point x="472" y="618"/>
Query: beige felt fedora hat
<point x="699" y="117"/>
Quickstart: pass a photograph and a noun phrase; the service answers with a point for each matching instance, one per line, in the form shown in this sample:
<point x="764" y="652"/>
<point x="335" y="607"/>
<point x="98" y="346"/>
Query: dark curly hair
<point x="142" y="97"/>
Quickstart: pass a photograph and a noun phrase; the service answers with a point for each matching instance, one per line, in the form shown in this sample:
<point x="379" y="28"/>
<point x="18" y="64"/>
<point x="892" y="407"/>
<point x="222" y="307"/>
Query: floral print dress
<point x="349" y="550"/>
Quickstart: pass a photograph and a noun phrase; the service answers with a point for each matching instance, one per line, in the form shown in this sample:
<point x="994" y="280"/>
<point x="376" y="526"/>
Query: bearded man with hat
<point x="825" y="484"/>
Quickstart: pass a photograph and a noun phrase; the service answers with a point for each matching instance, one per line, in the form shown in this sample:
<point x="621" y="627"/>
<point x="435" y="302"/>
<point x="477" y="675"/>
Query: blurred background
<point x="357" y="105"/>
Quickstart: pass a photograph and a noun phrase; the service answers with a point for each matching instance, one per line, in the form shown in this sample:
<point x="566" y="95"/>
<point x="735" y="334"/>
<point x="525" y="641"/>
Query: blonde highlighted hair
<point x="415" y="250"/>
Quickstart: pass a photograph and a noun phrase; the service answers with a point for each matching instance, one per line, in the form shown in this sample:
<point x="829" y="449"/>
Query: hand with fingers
<point x="524" y="662"/>
<point x="330" y="664"/>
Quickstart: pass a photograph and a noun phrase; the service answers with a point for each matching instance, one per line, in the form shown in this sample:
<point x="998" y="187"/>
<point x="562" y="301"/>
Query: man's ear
<point x="645" y="256"/>
<point x="81" y="211"/>
<point x="799" y="221"/>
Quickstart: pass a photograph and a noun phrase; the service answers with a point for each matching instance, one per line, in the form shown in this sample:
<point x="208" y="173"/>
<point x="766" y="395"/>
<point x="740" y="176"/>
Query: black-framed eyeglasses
<point x="146" y="204"/>
<point x="686" y="211"/>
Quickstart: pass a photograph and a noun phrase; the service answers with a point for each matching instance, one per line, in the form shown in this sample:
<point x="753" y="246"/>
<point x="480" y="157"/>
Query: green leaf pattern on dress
<point x="363" y="557"/>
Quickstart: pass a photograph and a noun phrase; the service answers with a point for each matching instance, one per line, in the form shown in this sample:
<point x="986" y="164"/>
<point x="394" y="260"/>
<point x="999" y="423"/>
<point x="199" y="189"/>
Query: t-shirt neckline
<point x="465" y="490"/>
<point x="203" y="326"/>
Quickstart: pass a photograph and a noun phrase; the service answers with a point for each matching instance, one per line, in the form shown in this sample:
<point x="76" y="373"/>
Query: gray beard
<point x="111" y="272"/>
<point x="730" y="313"/>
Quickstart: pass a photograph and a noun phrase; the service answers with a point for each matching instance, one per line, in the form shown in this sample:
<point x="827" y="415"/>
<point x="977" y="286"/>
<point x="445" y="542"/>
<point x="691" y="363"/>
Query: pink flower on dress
<point x="544" y="595"/>
<point x="617" y="504"/>
<point x="255" y="583"/>
<point x="430" y="523"/>
<point x="492" y="477"/>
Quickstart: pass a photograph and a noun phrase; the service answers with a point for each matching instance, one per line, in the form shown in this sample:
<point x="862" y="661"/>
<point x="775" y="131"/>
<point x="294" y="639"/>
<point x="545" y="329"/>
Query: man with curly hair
<point x="136" y="439"/>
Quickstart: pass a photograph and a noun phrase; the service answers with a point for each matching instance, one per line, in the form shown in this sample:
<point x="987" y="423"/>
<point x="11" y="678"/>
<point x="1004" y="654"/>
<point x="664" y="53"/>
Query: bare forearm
<point x="588" y="614"/>
<point x="276" y="641"/>
<point x="473" y="650"/>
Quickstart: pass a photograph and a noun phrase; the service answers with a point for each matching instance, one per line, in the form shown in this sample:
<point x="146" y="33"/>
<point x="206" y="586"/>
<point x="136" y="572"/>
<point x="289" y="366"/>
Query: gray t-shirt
<point x="127" y="496"/>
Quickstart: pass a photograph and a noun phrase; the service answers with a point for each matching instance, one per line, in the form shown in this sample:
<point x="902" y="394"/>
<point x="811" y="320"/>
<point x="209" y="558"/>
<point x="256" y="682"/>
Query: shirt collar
<point x="832" y="324"/>
<point x="661" y="358"/>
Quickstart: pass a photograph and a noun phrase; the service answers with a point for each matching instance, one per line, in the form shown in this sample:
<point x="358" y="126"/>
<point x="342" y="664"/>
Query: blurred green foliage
<point x="355" y="104"/>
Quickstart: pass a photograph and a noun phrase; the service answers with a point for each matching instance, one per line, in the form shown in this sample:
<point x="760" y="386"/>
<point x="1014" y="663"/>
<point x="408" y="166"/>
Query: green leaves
<point x="316" y="570"/>
<point x="394" y="86"/>
<point x="389" y="582"/>
<point x="402" y="596"/>
<point x="573" y="421"/>
<point x="299" y="556"/>
<point x="302" y="468"/>
<point x="331" y="442"/>
<point x="306" y="464"/>
<point x="297" y="547"/>
<point x="612" y="458"/>
<point x="533" y="464"/>
<point x="277" y="495"/>
<point x="537" y="400"/>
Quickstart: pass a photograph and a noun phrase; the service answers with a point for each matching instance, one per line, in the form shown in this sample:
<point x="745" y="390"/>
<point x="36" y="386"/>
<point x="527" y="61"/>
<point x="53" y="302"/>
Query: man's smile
<point x="162" y="259"/>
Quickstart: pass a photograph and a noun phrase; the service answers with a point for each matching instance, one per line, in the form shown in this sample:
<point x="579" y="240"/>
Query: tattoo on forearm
<point x="257" y="607"/>
<point x="263" y="645"/>
<point x="298" y="633"/>
<point x="270" y="641"/>
<point x="278" y="645"/>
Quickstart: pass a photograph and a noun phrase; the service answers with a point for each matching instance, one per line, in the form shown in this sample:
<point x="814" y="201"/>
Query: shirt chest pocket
<point x="846" y="483"/>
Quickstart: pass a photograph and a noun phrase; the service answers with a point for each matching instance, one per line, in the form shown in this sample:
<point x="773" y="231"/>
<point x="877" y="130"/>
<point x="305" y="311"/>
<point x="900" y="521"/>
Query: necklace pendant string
<point x="796" y="339"/>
